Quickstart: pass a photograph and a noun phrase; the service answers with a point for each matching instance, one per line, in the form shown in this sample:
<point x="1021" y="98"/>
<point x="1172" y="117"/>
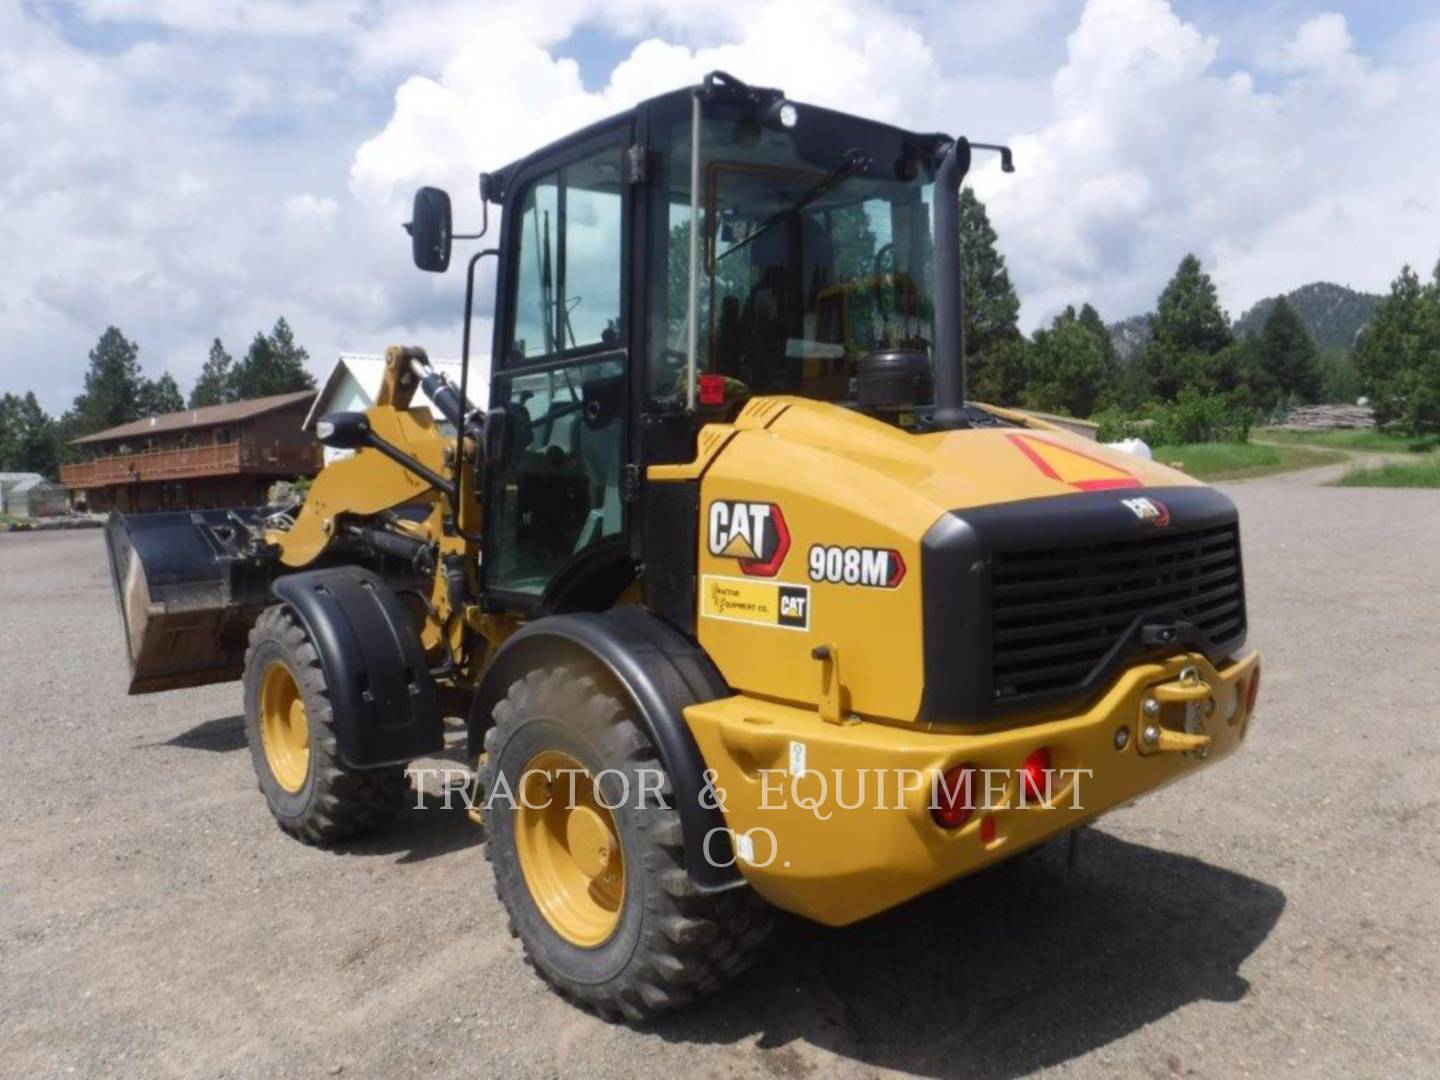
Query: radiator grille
<point x="1058" y="611"/>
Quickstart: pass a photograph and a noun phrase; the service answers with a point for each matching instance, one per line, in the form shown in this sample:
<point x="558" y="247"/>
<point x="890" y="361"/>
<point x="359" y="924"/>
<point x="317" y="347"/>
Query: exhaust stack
<point x="949" y="286"/>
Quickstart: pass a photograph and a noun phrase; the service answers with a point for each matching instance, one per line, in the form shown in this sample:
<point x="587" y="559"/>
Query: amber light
<point x="1032" y="775"/>
<point x="1252" y="692"/>
<point x="953" y="803"/>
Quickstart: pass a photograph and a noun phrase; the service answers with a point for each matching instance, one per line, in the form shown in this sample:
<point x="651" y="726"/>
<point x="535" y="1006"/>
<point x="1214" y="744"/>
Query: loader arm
<point x="189" y="586"/>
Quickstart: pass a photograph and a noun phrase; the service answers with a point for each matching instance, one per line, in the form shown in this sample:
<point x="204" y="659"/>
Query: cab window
<point x="564" y="381"/>
<point x="567" y="285"/>
<point x="810" y="255"/>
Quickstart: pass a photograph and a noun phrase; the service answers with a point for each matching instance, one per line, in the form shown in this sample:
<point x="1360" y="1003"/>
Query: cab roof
<point x="716" y="86"/>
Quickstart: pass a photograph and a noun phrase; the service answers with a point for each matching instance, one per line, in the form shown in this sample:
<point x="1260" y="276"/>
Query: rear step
<point x="189" y="587"/>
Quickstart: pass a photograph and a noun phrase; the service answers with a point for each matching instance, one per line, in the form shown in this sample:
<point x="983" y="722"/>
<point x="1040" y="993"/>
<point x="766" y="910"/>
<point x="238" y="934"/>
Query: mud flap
<point x="384" y="698"/>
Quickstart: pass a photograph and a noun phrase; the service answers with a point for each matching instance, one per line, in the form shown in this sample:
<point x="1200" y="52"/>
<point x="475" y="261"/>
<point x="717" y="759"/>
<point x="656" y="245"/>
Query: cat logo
<point x="1151" y="510"/>
<point x="752" y="533"/>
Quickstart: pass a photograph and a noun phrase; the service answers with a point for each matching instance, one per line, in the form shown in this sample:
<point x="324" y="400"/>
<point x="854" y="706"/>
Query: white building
<point x="8" y="480"/>
<point x="354" y="382"/>
<point x="30" y="495"/>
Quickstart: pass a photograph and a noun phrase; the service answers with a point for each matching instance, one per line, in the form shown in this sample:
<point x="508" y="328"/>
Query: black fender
<point x="661" y="671"/>
<point x="381" y="690"/>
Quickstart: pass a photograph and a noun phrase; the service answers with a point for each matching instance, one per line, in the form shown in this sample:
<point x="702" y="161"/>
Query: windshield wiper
<point x="853" y="162"/>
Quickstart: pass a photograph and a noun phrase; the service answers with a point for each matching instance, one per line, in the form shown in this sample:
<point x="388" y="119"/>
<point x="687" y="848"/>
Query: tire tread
<point x="691" y="943"/>
<point x="345" y="803"/>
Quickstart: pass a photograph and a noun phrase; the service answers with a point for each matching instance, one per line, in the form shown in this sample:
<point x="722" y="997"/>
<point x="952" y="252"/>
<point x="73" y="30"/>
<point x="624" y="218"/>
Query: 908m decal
<point x="877" y="568"/>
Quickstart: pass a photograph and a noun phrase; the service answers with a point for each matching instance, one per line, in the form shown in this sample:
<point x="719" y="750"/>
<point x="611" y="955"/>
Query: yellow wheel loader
<point x="743" y="605"/>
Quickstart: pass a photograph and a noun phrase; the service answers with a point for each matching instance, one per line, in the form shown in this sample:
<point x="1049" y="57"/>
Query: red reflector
<point x="987" y="830"/>
<point x="1252" y="692"/>
<point x="953" y="802"/>
<point x="1032" y="775"/>
<point x="712" y="389"/>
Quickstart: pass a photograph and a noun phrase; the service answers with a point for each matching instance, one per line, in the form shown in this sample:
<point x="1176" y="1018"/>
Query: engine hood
<point x="810" y="505"/>
<point x="956" y="470"/>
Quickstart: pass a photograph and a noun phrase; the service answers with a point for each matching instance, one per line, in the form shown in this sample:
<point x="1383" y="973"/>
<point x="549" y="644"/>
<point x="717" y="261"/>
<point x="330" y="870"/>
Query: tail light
<point x="1032" y="775"/>
<point x="953" y="803"/>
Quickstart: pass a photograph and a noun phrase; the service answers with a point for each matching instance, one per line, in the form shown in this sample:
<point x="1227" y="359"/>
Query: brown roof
<point x="208" y="416"/>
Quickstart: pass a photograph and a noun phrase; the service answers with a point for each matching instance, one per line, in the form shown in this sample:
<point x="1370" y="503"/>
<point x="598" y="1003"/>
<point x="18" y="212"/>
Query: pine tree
<point x="39" y="439"/>
<point x="292" y="357"/>
<point x="10" y="433"/>
<point x="1239" y="371"/>
<point x="992" y="309"/>
<point x="255" y="373"/>
<point x="160" y="396"/>
<point x="112" y="385"/>
<point x="1189" y="329"/>
<point x="1339" y="380"/>
<point x="273" y="364"/>
<point x="1288" y="353"/>
<point x="213" y="387"/>
<point x="29" y="437"/>
<point x="1073" y="366"/>
<point x="1398" y="355"/>
<point x="1001" y="378"/>
<point x="1090" y="319"/>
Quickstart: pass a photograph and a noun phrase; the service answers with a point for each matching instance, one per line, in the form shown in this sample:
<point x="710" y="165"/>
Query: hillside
<point x="1334" y="314"/>
<point x="1130" y="335"/>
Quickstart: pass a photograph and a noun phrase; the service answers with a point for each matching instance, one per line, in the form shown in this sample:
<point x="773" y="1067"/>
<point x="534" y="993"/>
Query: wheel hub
<point x="569" y="849"/>
<point x="284" y="728"/>
<point x="589" y="841"/>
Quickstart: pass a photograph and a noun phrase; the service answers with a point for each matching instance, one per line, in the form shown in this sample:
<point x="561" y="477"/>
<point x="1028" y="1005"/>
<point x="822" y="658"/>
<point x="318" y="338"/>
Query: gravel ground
<point x="1276" y="914"/>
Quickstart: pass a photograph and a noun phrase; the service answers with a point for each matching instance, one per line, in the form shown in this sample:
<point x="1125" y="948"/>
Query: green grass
<point x="1352" y="439"/>
<point x="1421" y="473"/>
<point x="1236" y="461"/>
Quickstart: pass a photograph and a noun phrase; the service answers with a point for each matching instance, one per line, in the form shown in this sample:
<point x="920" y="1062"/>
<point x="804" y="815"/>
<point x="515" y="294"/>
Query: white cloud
<point x="221" y="162"/>
<point x="489" y="105"/>
<point x="1153" y="151"/>
<point x="260" y="17"/>
<point x="1322" y="43"/>
<point x="310" y="211"/>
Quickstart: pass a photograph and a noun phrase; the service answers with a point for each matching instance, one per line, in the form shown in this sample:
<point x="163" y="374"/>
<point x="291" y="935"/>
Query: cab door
<point x="556" y="506"/>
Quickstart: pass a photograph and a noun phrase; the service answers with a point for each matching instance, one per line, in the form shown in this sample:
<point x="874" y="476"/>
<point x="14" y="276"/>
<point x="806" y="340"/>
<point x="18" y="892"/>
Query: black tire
<point x="672" y="943"/>
<point x="333" y="803"/>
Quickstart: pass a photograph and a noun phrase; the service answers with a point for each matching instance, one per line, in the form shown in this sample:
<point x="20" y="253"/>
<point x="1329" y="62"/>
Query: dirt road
<point x="1278" y="914"/>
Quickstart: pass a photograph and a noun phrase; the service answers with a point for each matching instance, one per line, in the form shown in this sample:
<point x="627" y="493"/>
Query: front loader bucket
<point x="189" y="587"/>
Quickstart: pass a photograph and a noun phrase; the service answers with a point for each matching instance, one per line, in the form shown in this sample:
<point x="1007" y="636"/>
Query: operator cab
<point x="659" y="269"/>
<point x="812" y="248"/>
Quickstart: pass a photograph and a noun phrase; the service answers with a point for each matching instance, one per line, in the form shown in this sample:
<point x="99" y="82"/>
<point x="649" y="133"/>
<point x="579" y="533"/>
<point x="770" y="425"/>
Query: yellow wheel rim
<point x="284" y="728"/>
<point x="569" y="849"/>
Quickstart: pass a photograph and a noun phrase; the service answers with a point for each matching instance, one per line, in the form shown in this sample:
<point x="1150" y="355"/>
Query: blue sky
<point x="193" y="168"/>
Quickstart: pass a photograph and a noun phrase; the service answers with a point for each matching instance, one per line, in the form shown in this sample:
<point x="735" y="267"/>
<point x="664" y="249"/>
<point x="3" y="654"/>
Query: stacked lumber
<point x="1328" y="417"/>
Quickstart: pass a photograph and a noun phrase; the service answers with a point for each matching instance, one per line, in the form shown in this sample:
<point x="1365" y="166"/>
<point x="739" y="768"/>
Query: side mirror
<point x="429" y="229"/>
<point x="343" y="430"/>
<point x="497" y="437"/>
<point x="508" y="431"/>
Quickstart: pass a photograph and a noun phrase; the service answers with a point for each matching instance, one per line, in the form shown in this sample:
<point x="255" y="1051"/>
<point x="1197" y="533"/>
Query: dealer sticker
<point x="762" y="603"/>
